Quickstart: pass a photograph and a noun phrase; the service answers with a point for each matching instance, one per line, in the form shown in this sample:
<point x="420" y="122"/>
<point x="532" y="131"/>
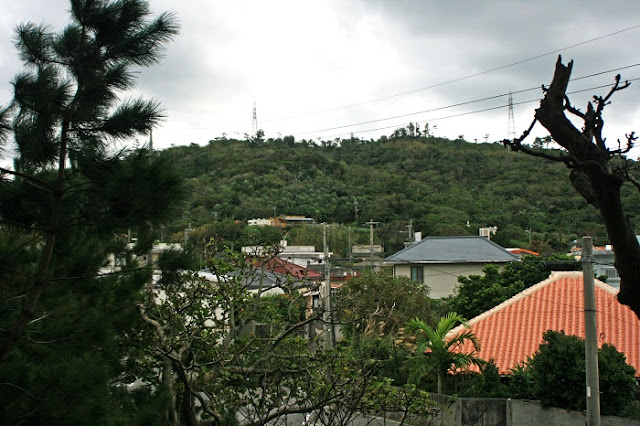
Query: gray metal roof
<point x="473" y="249"/>
<point x="261" y="278"/>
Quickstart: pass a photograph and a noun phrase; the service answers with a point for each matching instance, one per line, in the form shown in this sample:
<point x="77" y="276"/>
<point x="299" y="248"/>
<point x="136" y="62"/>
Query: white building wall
<point x="441" y="278"/>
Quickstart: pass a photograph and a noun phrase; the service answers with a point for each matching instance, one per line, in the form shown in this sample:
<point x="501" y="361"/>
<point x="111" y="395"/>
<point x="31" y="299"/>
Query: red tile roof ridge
<point x="606" y="287"/>
<point x="512" y="331"/>
<point x="523" y="294"/>
<point x="554" y="276"/>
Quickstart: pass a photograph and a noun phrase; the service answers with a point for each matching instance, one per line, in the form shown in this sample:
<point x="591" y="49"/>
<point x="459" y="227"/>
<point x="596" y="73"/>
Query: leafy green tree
<point x="437" y="353"/>
<point x="68" y="201"/>
<point x="219" y="351"/>
<point x="478" y="293"/>
<point x="559" y="379"/>
<point x="521" y="381"/>
<point x="392" y="181"/>
<point x="487" y="384"/>
<point x="379" y="304"/>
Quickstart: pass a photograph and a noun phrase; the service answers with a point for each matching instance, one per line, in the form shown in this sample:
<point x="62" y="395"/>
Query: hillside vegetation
<point x="447" y="187"/>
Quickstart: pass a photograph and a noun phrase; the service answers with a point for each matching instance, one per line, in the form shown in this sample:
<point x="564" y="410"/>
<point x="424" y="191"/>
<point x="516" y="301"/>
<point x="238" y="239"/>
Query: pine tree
<point x="68" y="201"/>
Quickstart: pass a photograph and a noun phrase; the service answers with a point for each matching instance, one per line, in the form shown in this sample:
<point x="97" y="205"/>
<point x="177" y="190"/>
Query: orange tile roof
<point x="511" y="331"/>
<point x="284" y="267"/>
<point x="521" y="251"/>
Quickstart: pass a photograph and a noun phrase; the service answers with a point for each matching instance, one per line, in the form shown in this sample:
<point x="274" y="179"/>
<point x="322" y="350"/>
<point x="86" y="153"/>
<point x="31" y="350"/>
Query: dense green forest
<point x="447" y="187"/>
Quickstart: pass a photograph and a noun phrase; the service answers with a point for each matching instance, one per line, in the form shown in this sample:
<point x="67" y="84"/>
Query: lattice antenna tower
<point x="254" y="123"/>
<point x="511" y="124"/>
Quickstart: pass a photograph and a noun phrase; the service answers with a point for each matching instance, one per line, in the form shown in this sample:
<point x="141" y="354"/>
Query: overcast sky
<point x="317" y="69"/>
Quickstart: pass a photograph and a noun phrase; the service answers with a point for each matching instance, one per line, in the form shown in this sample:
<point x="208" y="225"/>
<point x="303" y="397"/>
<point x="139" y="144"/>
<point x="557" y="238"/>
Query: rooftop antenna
<point x="254" y="123"/>
<point x="511" y="126"/>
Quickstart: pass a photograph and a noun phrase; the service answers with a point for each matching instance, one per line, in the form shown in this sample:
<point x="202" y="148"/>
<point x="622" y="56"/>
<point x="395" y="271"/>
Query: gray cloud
<point x="294" y="58"/>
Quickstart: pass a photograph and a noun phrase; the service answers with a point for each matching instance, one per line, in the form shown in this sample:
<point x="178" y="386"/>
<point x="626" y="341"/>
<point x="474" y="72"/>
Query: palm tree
<point x="438" y="353"/>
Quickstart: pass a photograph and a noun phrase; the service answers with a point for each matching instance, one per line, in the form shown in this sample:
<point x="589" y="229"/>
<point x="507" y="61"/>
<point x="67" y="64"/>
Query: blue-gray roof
<point x="261" y="278"/>
<point x="474" y="249"/>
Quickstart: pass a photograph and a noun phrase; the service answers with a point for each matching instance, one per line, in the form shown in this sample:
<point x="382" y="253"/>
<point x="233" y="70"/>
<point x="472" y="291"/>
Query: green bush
<point x="558" y="371"/>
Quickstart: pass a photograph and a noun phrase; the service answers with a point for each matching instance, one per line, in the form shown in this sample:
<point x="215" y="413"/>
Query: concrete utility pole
<point x="371" y="223"/>
<point x="591" y="335"/>
<point x="186" y="234"/>
<point x="355" y="205"/>
<point x="349" y="248"/>
<point x="328" y="305"/>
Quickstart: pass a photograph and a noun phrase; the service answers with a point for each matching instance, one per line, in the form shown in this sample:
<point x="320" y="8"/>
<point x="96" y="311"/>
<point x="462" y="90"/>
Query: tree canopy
<point x="69" y="201"/>
<point x="559" y="379"/>
<point x="441" y="184"/>
<point x="379" y="305"/>
<point x="437" y="353"/>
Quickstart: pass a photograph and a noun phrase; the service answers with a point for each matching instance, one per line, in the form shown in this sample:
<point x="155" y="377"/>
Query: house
<point x="303" y="256"/>
<point x="603" y="258"/>
<point x="286" y="268"/>
<point x="438" y="261"/>
<point x="114" y="262"/>
<point x="512" y="331"/>
<point x="272" y="276"/>
<point x="521" y="252"/>
<point x="260" y="222"/>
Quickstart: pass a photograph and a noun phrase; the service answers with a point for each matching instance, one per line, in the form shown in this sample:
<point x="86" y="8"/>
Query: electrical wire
<point x="467" y="102"/>
<point x="448" y="116"/>
<point x="458" y="79"/>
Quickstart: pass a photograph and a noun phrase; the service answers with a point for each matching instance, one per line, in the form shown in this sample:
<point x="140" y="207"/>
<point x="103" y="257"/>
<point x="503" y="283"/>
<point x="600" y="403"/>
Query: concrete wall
<point x="470" y="411"/>
<point x="530" y="413"/>
<point x="509" y="412"/>
<point x="442" y="278"/>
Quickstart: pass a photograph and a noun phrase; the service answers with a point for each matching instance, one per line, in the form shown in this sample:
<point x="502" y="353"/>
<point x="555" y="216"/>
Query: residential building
<point x="281" y="221"/>
<point x="521" y="252"/>
<point x="439" y="261"/>
<point x="114" y="263"/>
<point x="603" y="258"/>
<point x="512" y="331"/>
<point x="300" y="255"/>
<point x="260" y="222"/>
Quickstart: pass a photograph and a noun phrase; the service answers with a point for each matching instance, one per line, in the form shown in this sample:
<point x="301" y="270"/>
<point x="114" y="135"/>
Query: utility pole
<point x="371" y="223"/>
<point x="591" y="335"/>
<point x="355" y="205"/>
<point x="410" y="231"/>
<point x="254" y="121"/>
<point x="349" y="248"/>
<point x="328" y="311"/>
<point x="511" y="126"/>
<point x="186" y="234"/>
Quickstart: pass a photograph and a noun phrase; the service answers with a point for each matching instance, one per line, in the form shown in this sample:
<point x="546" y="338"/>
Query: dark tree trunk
<point x="592" y="176"/>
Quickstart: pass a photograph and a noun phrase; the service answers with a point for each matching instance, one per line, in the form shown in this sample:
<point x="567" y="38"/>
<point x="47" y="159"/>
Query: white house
<point x="439" y="261"/>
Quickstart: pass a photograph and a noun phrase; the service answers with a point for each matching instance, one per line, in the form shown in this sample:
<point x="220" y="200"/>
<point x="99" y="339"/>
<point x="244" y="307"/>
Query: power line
<point x="444" y="107"/>
<point x="444" y="117"/>
<point x="487" y="98"/>
<point x="460" y="78"/>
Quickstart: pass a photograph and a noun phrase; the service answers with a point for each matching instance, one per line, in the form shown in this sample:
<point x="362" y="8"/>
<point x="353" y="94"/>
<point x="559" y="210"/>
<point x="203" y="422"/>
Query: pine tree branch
<point x="22" y="390"/>
<point x="35" y="181"/>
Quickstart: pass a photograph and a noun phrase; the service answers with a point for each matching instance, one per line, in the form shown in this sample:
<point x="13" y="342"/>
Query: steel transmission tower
<point x="511" y="125"/>
<point x="254" y="123"/>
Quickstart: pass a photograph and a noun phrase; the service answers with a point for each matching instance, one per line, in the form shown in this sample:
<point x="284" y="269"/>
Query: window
<point x="417" y="274"/>
<point x="611" y="272"/>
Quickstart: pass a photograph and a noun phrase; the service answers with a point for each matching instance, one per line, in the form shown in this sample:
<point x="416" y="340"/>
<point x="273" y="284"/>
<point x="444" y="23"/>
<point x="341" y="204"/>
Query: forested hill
<point x="448" y="187"/>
